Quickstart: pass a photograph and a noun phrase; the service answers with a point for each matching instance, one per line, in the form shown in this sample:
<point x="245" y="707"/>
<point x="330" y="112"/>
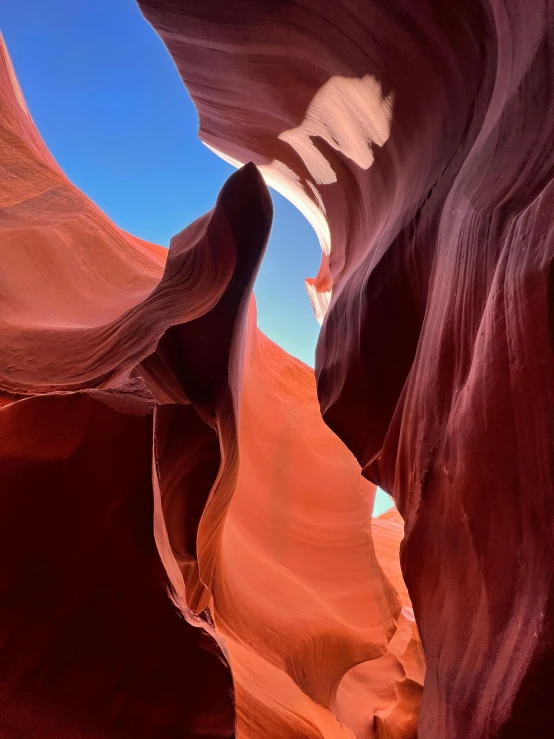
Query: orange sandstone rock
<point x="417" y="139"/>
<point x="298" y="591"/>
<point x="185" y="546"/>
<point x="90" y="643"/>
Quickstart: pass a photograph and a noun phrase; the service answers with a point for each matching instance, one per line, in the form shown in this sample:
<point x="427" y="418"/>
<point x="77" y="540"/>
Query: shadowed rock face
<point x="91" y="645"/>
<point x="98" y="339"/>
<point x="417" y="138"/>
<point x="185" y="546"/>
<point x="305" y="601"/>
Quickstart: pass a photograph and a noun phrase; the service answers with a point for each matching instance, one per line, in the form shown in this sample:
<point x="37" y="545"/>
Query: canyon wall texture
<point x="417" y="139"/>
<point x="298" y="590"/>
<point x="90" y="643"/>
<point x="186" y="549"/>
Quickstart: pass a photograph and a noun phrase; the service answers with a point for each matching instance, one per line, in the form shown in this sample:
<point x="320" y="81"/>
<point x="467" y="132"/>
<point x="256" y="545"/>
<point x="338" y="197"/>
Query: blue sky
<point x="113" y="111"/>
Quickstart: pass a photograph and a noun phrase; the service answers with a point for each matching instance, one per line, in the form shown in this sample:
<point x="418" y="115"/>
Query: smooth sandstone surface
<point x="186" y="547"/>
<point x="417" y="139"/>
<point x="299" y="592"/>
<point x="90" y="642"/>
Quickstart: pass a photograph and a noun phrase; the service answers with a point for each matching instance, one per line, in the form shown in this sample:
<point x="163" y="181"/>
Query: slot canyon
<point x="187" y="545"/>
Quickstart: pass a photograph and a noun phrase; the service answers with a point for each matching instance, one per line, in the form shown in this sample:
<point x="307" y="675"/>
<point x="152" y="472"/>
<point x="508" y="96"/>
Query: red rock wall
<point x="298" y="592"/>
<point x="90" y="643"/>
<point x="185" y="546"/>
<point x="417" y="138"/>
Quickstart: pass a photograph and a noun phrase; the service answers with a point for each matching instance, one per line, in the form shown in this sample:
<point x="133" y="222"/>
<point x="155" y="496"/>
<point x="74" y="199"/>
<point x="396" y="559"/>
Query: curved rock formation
<point x="381" y="698"/>
<point x="298" y="592"/>
<point x="173" y="504"/>
<point x="416" y="137"/>
<point x="90" y="643"/>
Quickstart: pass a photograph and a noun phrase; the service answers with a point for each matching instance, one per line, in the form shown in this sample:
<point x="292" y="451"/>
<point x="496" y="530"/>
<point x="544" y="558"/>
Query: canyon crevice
<point x="186" y="547"/>
<point x="416" y="138"/>
<point x="186" y="537"/>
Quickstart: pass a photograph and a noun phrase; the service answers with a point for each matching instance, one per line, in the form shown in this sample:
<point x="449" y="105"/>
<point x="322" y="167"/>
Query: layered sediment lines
<point x="417" y="139"/>
<point x="300" y="593"/>
<point x="186" y="548"/>
<point x="90" y="642"/>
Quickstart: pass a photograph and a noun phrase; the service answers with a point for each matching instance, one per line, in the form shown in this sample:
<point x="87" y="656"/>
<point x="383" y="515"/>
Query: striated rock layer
<point x="417" y="139"/>
<point x="299" y="591"/>
<point x="90" y="643"/>
<point x="186" y="548"/>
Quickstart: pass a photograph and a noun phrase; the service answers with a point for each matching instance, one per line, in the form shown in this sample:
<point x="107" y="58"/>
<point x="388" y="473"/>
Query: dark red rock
<point x="173" y="503"/>
<point x="417" y="138"/>
<point x="91" y="643"/>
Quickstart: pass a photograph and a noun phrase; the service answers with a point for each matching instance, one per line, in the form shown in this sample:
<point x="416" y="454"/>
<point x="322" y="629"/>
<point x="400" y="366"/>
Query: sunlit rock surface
<point x="90" y="643"/>
<point x="417" y="139"/>
<point x="185" y="547"/>
<point x="298" y="591"/>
